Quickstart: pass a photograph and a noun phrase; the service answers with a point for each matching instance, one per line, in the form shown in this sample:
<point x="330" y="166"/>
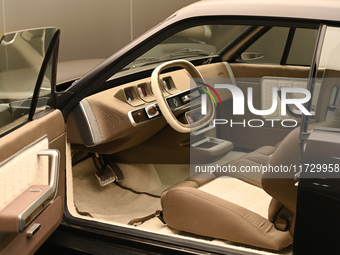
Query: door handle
<point x="54" y="159"/>
<point x="16" y="216"/>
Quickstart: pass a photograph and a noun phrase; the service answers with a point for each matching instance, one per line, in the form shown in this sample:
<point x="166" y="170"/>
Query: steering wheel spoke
<point x="157" y="83"/>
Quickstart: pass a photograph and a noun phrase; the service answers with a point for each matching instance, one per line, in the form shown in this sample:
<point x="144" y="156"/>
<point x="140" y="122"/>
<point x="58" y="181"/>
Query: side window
<point x="268" y="48"/>
<point x="302" y="47"/>
<point x="282" y="45"/>
<point x="22" y="55"/>
<point x="327" y="112"/>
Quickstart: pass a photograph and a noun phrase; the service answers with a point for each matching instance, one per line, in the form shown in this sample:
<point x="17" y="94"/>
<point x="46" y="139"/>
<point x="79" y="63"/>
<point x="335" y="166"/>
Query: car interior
<point x="134" y="142"/>
<point x="131" y="168"/>
<point x="158" y="150"/>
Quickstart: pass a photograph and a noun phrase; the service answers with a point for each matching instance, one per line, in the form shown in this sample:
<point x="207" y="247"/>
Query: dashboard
<point x="125" y="116"/>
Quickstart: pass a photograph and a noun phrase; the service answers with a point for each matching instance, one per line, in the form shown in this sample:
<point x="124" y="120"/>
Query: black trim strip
<point x="288" y="46"/>
<point x="248" y="44"/>
<point x="52" y="51"/>
<point x="233" y="43"/>
<point x="312" y="75"/>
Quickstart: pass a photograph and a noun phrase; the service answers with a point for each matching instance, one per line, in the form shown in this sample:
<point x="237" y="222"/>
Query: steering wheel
<point x="157" y="83"/>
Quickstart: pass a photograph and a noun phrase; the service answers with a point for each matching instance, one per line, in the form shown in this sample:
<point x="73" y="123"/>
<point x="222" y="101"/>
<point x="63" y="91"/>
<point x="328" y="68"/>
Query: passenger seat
<point x="190" y="207"/>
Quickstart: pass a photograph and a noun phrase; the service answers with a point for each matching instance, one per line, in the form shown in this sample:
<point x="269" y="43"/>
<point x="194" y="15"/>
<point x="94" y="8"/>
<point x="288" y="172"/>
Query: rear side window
<point x="268" y="48"/>
<point x="327" y="109"/>
<point x="302" y="48"/>
<point x="281" y="46"/>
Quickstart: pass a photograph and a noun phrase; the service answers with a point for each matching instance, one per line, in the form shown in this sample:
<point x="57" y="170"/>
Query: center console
<point x="204" y="146"/>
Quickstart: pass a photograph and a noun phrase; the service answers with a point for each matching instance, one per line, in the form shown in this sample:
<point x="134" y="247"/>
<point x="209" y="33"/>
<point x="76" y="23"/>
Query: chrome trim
<point x="219" y="143"/>
<point x="131" y="118"/>
<point x="136" y="124"/>
<point x="147" y="113"/>
<point x="54" y="158"/>
<point x="87" y="120"/>
<point x="33" y="230"/>
<point x="231" y="73"/>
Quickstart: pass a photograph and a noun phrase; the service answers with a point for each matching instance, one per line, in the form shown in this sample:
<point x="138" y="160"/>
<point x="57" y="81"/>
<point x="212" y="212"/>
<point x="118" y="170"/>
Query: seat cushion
<point x="225" y="207"/>
<point x="197" y="211"/>
<point x="241" y="193"/>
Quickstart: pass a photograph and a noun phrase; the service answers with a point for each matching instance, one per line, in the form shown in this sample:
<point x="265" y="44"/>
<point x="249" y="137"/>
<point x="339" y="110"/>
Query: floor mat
<point x="112" y="203"/>
<point x="115" y="204"/>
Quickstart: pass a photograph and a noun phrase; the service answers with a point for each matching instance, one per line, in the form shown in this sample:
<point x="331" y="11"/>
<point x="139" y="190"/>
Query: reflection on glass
<point x="327" y="91"/>
<point x="197" y="41"/>
<point x="21" y="57"/>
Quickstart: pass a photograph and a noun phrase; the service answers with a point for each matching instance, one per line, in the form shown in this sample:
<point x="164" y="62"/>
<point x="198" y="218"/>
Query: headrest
<point x="199" y="32"/>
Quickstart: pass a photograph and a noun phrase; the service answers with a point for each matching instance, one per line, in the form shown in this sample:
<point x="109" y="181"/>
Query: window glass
<point x="44" y="100"/>
<point x="193" y="42"/>
<point x="21" y="57"/>
<point x="268" y="49"/>
<point x="302" y="48"/>
<point x="327" y="112"/>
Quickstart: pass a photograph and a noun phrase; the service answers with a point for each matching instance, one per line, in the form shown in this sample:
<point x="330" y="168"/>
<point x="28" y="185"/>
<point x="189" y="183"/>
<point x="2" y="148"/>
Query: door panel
<point x="17" y="178"/>
<point x="21" y="170"/>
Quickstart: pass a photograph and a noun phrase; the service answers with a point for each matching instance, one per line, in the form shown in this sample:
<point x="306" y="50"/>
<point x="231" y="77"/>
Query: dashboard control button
<point x="151" y="111"/>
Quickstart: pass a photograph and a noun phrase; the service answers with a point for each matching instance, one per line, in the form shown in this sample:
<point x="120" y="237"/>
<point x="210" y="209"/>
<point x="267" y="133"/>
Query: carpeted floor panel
<point x="113" y="203"/>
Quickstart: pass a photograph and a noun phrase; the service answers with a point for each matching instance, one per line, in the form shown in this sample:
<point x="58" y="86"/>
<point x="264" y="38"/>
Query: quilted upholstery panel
<point x="23" y="170"/>
<point x="266" y="88"/>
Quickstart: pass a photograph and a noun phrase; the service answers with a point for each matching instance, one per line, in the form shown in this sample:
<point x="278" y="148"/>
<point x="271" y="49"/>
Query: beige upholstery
<point x="190" y="209"/>
<point x="209" y="215"/>
<point x="193" y="210"/>
<point x="256" y="158"/>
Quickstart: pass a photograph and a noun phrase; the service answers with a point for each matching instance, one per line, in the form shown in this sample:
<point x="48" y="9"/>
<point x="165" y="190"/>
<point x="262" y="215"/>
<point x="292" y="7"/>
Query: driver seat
<point x="232" y="209"/>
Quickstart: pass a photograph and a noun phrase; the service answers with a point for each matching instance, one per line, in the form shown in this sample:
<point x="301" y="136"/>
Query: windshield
<point x="193" y="42"/>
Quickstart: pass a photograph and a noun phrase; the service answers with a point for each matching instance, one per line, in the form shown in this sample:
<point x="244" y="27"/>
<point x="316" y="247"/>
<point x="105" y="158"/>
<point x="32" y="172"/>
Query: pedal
<point x="106" y="176"/>
<point x="116" y="170"/>
<point x="109" y="171"/>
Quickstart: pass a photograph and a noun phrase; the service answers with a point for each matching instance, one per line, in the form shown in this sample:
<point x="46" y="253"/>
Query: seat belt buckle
<point x="281" y="223"/>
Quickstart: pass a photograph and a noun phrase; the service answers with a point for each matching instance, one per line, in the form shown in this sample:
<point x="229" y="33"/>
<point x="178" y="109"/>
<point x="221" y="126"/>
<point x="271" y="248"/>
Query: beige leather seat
<point x="190" y="206"/>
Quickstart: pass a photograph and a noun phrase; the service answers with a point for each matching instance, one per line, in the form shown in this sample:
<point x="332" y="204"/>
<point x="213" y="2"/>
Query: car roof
<point x="302" y="9"/>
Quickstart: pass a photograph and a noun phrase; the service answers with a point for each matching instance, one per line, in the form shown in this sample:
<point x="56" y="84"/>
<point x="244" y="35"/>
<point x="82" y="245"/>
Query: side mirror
<point x="249" y="56"/>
